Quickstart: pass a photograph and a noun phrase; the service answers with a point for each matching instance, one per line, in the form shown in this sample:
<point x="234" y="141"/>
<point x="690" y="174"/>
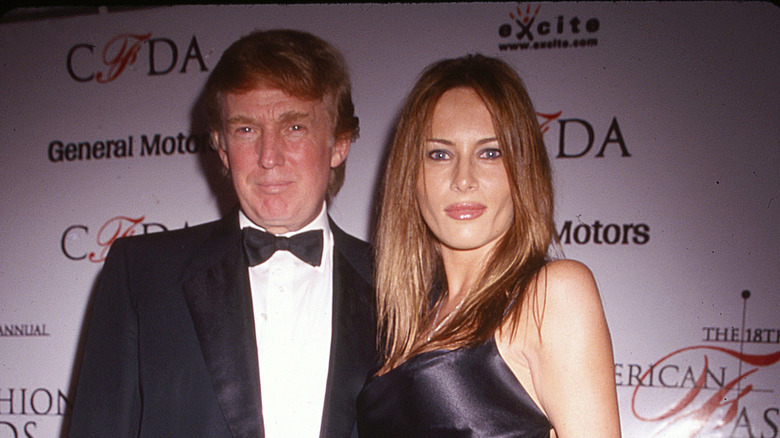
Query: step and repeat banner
<point x="662" y="121"/>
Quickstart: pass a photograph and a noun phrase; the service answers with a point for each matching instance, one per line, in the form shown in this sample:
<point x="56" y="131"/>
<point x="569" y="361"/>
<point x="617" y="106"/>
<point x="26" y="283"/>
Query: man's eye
<point x="491" y="154"/>
<point x="296" y="128"/>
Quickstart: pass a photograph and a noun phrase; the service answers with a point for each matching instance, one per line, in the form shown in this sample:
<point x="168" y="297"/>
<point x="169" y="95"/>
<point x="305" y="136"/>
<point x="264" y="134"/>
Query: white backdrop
<point x="662" y="122"/>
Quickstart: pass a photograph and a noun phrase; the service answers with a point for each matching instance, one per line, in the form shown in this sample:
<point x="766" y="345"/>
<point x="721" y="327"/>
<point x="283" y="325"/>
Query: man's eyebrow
<point x="293" y="115"/>
<point x="240" y="119"/>
<point x="287" y="116"/>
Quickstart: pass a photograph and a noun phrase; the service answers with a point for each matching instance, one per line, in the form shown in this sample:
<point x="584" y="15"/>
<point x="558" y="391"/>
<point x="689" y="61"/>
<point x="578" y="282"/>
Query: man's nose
<point x="270" y="151"/>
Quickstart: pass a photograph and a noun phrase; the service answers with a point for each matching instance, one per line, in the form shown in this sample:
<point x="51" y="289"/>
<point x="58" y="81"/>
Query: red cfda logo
<point x="75" y="243"/>
<point x="123" y="50"/>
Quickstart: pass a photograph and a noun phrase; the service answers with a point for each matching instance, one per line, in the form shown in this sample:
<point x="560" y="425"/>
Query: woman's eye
<point x="491" y="154"/>
<point x="438" y="155"/>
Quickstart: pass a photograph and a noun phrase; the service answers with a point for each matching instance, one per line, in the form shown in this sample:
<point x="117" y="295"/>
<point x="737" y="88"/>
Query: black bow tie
<point x="260" y="246"/>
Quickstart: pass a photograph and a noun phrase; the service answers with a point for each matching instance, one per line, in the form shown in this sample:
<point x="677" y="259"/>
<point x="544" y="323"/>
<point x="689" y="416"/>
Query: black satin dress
<point x="468" y="392"/>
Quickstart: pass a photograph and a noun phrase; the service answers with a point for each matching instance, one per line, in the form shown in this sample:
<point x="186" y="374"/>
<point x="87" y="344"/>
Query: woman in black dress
<point x="483" y="334"/>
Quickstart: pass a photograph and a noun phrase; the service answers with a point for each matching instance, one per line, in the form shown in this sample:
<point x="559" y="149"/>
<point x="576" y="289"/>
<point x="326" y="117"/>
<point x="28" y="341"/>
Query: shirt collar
<point x="320" y="222"/>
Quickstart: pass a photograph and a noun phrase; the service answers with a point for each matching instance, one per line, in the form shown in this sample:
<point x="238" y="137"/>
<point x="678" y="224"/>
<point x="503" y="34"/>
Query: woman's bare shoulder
<point x="566" y="286"/>
<point x="570" y="360"/>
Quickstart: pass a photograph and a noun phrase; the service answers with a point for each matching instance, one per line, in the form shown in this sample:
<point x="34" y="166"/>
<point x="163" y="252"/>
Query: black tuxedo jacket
<point x="170" y="347"/>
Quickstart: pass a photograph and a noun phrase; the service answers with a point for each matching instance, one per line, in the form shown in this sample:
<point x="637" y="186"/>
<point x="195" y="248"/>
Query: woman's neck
<point x="463" y="269"/>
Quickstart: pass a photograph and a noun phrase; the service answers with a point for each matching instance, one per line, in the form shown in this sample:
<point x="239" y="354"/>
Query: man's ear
<point x="340" y="150"/>
<point x="216" y="140"/>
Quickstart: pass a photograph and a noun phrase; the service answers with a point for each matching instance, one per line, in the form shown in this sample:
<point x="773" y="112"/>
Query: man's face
<point x="279" y="150"/>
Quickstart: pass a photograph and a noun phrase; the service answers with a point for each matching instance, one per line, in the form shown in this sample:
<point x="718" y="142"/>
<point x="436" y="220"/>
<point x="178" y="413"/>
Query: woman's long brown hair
<point x="408" y="259"/>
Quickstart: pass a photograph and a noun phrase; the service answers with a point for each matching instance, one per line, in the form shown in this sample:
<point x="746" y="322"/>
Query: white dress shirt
<point x="293" y="306"/>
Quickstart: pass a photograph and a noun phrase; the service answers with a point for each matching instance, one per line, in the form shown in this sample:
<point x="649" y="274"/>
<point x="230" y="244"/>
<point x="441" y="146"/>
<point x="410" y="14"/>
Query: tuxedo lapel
<point x="220" y="303"/>
<point x="219" y="300"/>
<point x="353" y="351"/>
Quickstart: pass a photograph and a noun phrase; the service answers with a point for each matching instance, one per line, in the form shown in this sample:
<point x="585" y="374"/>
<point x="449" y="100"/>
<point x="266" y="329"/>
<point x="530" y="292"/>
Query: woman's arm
<point x="568" y="350"/>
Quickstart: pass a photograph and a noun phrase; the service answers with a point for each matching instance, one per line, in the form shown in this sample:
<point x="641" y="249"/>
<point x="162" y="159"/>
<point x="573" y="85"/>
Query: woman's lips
<point x="465" y="210"/>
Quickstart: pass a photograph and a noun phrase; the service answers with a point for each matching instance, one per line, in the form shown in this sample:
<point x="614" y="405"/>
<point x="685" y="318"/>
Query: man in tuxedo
<point x="259" y="324"/>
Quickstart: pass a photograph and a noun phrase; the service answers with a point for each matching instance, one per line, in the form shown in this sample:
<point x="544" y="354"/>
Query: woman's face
<point x="463" y="188"/>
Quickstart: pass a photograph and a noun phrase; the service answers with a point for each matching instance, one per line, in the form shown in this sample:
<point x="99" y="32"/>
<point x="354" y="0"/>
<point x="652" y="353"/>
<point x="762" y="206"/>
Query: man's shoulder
<point x="177" y="243"/>
<point x="168" y="237"/>
<point x="358" y="253"/>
